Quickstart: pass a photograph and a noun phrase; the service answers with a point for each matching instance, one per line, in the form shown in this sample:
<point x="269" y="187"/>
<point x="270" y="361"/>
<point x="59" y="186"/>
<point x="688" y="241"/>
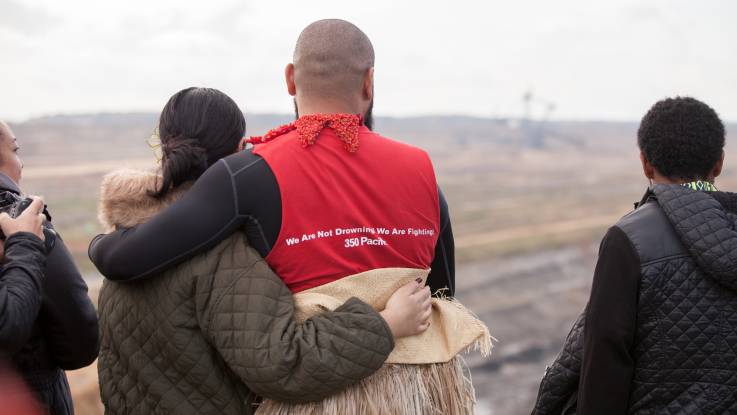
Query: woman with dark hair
<point x="211" y="334"/>
<point x="47" y="322"/>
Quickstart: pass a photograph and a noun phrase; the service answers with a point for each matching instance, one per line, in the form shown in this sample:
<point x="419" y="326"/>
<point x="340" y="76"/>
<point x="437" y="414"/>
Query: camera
<point x="14" y="205"/>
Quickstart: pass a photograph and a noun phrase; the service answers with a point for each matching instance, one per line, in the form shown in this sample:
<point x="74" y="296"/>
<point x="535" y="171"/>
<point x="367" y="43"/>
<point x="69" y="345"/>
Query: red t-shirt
<point x="348" y="212"/>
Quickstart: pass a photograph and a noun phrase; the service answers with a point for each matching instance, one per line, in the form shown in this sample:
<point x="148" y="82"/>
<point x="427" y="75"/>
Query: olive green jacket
<point x="212" y="334"/>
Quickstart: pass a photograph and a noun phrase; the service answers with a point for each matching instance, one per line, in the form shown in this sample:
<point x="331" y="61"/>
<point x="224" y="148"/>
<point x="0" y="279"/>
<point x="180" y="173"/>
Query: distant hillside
<point x="114" y="136"/>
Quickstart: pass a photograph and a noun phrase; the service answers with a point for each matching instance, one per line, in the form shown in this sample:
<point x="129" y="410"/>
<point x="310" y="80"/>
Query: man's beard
<point x="368" y="117"/>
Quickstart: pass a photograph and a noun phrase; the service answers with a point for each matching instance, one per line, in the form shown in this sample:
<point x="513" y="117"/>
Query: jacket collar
<point x="126" y="201"/>
<point x="8" y="185"/>
<point x="698" y="185"/>
<point x="649" y="195"/>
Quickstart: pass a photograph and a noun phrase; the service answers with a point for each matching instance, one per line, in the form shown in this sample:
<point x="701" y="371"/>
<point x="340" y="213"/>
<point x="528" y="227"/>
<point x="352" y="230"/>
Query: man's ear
<point x="647" y="168"/>
<point x="368" y="85"/>
<point x="717" y="170"/>
<point x="289" y="76"/>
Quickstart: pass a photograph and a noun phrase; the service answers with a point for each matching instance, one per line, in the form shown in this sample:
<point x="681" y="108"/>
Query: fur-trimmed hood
<point x="125" y="198"/>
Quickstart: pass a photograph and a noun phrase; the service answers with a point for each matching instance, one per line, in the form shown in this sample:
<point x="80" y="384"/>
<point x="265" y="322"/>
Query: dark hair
<point x="682" y="138"/>
<point x="198" y="126"/>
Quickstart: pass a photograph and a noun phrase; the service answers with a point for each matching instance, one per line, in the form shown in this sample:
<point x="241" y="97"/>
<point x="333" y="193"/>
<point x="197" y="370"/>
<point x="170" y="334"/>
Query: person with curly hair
<point x="659" y="334"/>
<point x="661" y="328"/>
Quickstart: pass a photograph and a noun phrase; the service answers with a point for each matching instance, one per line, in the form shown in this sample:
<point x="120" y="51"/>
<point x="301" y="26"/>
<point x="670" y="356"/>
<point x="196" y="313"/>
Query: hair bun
<point x="184" y="160"/>
<point x="198" y="126"/>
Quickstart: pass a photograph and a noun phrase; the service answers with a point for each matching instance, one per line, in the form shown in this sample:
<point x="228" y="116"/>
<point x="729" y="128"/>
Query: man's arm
<point x="253" y="327"/>
<point x="70" y="320"/>
<point x="609" y="331"/>
<point x="20" y="289"/>
<point x="442" y="273"/>
<point x="205" y="215"/>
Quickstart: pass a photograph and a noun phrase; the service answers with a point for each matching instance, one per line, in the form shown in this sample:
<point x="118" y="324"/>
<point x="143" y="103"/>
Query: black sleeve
<point x="20" y="289"/>
<point x="259" y="199"/>
<point x="204" y="216"/>
<point x="69" y="317"/>
<point x="442" y="269"/>
<point x="609" y="331"/>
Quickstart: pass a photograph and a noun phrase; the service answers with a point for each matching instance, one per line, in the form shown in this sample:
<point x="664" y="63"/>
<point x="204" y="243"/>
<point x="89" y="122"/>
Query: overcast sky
<point x="594" y="60"/>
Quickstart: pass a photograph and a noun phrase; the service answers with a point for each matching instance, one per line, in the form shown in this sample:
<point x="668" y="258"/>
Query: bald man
<point x="334" y="68"/>
<point x="321" y="198"/>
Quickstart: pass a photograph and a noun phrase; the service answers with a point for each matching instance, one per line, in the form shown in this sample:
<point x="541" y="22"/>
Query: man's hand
<point x="408" y="310"/>
<point x="31" y="220"/>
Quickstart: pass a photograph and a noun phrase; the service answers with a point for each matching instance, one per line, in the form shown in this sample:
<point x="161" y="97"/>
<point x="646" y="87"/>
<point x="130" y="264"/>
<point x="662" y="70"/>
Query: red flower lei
<point x="310" y="126"/>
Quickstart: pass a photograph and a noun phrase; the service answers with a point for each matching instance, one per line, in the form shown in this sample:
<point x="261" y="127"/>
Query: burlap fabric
<point x="425" y="374"/>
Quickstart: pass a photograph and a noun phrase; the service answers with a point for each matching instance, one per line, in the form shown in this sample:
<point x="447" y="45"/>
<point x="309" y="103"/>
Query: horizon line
<point x="288" y="115"/>
<point x="490" y="117"/>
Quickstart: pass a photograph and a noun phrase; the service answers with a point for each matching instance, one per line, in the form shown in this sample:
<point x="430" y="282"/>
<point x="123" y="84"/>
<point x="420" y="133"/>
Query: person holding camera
<point x="47" y="322"/>
<point x="23" y="256"/>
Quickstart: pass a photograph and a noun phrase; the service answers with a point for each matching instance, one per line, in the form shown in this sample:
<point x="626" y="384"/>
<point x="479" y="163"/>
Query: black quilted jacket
<point x="558" y="389"/>
<point x="686" y="341"/>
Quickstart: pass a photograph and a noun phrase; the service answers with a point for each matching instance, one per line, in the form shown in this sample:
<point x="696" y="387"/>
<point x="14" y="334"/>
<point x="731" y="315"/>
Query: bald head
<point x="332" y="59"/>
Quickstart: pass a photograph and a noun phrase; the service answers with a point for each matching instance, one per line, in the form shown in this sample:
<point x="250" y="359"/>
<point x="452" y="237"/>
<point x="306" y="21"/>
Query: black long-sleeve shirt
<point x="239" y="191"/>
<point x="608" y="365"/>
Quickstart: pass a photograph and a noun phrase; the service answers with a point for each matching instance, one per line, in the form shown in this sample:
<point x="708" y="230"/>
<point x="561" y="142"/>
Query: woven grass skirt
<point x="401" y="389"/>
